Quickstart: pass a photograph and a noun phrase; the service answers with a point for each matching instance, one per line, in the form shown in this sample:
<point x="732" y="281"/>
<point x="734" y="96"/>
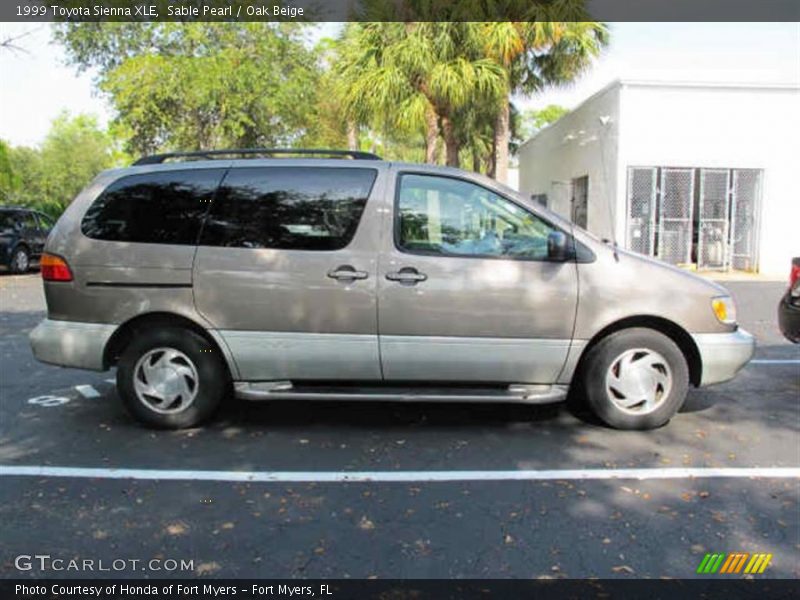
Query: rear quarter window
<point x="156" y="208"/>
<point x="289" y="208"/>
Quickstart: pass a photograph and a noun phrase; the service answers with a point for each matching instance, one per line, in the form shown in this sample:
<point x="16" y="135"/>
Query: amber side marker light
<point x="724" y="309"/>
<point x="54" y="268"/>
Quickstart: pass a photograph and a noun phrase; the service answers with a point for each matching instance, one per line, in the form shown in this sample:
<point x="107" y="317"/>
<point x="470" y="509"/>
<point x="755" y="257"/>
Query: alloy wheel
<point x="21" y="261"/>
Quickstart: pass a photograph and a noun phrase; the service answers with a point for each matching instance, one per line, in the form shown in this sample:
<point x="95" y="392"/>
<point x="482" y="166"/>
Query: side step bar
<point x="285" y="390"/>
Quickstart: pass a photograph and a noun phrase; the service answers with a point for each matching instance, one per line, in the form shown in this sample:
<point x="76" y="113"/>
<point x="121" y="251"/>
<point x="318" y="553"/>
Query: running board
<point x="285" y="390"/>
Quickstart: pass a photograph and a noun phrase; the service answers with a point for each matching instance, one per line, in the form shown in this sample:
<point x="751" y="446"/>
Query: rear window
<point x="289" y="208"/>
<point x="154" y="208"/>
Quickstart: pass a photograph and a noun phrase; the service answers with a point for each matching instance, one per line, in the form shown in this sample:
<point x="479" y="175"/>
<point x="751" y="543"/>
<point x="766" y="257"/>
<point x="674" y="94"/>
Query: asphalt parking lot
<point x="417" y="528"/>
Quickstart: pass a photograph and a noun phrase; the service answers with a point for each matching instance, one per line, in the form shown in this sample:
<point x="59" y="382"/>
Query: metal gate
<point x="642" y="209"/>
<point x="676" y="207"/>
<point x="712" y="238"/>
<point x="744" y="218"/>
<point x="714" y="226"/>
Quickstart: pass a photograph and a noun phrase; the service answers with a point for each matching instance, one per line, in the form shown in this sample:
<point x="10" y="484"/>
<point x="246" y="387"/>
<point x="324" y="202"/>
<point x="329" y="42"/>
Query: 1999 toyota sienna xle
<point x="198" y="274"/>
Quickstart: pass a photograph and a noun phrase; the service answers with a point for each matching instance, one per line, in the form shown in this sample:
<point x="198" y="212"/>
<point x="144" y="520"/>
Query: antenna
<point x="604" y="121"/>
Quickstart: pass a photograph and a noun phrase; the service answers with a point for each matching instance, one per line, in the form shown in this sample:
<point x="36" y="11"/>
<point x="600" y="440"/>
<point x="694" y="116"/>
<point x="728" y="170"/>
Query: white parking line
<point x="87" y="391"/>
<point x="774" y="361"/>
<point x="398" y="476"/>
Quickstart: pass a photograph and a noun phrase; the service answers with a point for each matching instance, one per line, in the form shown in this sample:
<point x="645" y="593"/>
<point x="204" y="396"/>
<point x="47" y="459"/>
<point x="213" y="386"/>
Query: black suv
<point x="22" y="235"/>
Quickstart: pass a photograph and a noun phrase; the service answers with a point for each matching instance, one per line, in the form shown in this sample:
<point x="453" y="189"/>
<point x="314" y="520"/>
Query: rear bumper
<point x="723" y="354"/>
<point x="71" y="344"/>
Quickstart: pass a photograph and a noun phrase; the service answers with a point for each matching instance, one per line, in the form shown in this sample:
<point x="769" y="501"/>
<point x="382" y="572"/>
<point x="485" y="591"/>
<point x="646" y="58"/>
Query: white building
<point x="702" y="175"/>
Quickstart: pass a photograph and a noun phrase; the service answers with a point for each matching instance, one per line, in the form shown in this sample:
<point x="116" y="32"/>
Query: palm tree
<point x="418" y="76"/>
<point x="450" y="79"/>
<point x="533" y="55"/>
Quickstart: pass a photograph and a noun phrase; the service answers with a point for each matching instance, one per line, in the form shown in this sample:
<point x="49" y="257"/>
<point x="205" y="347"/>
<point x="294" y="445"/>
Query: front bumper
<point x="71" y="343"/>
<point x="723" y="354"/>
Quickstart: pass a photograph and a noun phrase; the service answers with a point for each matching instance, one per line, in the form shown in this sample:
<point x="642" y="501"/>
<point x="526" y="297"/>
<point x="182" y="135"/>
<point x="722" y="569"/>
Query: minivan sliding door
<point x="286" y="272"/>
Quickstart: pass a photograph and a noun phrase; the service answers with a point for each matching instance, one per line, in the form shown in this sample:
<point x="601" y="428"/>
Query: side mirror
<point x="557" y="246"/>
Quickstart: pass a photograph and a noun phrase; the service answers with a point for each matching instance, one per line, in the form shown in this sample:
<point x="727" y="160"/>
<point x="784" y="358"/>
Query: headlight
<point x="725" y="309"/>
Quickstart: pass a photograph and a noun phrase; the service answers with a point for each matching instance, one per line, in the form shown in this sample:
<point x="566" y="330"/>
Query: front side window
<point x="29" y="222"/>
<point x="289" y="208"/>
<point x="452" y="217"/>
<point x="165" y="207"/>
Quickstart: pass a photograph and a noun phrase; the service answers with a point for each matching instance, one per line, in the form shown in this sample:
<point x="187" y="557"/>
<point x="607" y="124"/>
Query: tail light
<point x="794" y="275"/>
<point x="54" y="268"/>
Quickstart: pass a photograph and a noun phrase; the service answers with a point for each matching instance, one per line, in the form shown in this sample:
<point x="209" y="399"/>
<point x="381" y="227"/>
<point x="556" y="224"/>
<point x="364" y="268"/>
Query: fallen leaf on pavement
<point x="622" y="569"/>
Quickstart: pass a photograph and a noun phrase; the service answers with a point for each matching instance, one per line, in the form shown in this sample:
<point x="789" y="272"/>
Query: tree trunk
<point x="352" y="136"/>
<point x="450" y="143"/>
<point x="489" y="160"/>
<point x="476" y="160"/>
<point x="502" y="136"/>
<point x="431" y="135"/>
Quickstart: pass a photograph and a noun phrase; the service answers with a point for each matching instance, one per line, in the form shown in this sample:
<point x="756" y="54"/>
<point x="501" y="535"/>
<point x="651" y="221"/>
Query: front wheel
<point x="21" y="261"/>
<point x="171" y="378"/>
<point x="635" y="379"/>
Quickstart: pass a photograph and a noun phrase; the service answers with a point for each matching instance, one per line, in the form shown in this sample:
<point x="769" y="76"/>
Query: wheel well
<point x="125" y="333"/>
<point x="672" y="330"/>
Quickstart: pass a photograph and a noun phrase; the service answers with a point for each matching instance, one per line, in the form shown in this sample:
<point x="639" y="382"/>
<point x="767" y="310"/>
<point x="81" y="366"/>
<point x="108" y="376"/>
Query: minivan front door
<point x="286" y="271"/>
<point x="466" y="289"/>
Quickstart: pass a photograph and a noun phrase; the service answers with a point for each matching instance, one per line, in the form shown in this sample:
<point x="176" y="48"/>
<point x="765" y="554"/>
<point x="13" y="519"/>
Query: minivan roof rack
<point x="155" y="159"/>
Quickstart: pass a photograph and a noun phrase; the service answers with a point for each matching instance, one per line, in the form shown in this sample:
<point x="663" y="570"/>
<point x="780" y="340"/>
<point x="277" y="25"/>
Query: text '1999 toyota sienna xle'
<point x="302" y="275"/>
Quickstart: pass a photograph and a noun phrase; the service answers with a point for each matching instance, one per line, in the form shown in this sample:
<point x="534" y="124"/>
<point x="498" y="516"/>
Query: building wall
<point x="578" y="144"/>
<point x="729" y="127"/>
<point x="675" y="125"/>
<point x="513" y="178"/>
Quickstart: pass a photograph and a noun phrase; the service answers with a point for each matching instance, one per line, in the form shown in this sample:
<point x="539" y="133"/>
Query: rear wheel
<point x="21" y="261"/>
<point x="635" y="379"/>
<point x="171" y="378"/>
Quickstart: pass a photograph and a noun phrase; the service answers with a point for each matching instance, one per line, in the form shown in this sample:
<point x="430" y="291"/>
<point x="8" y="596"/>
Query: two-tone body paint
<point x="276" y="314"/>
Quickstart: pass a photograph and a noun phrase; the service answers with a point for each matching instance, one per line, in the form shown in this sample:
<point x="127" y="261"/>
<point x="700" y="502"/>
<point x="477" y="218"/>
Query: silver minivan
<point x="336" y="275"/>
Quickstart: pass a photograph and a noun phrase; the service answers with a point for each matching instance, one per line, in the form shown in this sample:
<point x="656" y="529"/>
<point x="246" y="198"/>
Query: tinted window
<point x="439" y="215"/>
<point x="29" y="221"/>
<point x="290" y="208"/>
<point x="156" y="208"/>
<point x="8" y="220"/>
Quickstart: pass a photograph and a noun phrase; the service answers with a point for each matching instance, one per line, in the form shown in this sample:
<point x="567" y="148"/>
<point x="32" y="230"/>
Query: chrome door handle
<point x="347" y="273"/>
<point x="407" y="276"/>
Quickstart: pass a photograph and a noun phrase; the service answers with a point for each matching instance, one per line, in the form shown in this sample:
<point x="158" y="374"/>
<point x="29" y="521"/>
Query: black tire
<point x="20" y="260"/>
<point x="606" y="353"/>
<point x="212" y="385"/>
